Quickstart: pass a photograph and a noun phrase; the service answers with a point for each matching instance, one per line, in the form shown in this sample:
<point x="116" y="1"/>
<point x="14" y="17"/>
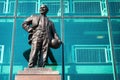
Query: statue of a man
<point x="41" y="33"/>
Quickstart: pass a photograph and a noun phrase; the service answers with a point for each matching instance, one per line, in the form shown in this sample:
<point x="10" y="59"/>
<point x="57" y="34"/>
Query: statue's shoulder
<point x="29" y="18"/>
<point x="50" y="21"/>
<point x="34" y="16"/>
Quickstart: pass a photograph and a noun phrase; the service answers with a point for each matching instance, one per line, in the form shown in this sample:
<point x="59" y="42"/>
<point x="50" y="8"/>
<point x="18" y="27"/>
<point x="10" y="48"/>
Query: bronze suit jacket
<point x="31" y="23"/>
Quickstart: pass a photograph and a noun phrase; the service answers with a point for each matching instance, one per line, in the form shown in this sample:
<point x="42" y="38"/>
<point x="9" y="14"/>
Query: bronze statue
<point x="42" y="36"/>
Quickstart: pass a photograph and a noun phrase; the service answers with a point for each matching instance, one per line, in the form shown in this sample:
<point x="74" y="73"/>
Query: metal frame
<point x="1" y="53"/>
<point x="62" y="32"/>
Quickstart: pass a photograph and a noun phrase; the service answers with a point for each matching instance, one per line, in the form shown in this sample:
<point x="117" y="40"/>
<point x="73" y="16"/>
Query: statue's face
<point x="43" y="9"/>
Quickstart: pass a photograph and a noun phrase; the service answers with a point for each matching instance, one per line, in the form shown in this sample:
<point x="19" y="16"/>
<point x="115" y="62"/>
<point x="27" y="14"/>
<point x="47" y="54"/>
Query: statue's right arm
<point x="26" y="24"/>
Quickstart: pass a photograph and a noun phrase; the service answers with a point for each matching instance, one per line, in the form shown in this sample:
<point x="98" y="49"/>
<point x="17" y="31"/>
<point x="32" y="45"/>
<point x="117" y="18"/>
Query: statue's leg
<point x="33" y="55"/>
<point x="51" y="57"/>
<point x="43" y="54"/>
<point x="26" y="54"/>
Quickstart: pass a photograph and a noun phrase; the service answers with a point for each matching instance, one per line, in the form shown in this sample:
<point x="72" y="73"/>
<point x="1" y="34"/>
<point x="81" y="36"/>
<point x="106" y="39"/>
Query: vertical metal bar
<point x="7" y="6"/>
<point x="112" y="50"/>
<point x="62" y="26"/>
<point x="115" y="76"/>
<point x="70" y="6"/>
<point x="13" y="37"/>
<point x="38" y="5"/>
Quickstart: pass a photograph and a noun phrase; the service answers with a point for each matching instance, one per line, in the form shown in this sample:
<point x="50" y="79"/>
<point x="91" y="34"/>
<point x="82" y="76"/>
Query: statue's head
<point x="43" y="9"/>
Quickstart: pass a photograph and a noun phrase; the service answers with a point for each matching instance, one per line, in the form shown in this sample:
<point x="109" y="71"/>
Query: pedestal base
<point x="38" y="74"/>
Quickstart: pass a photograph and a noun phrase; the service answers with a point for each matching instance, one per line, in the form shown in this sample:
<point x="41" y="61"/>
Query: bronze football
<point x="55" y="43"/>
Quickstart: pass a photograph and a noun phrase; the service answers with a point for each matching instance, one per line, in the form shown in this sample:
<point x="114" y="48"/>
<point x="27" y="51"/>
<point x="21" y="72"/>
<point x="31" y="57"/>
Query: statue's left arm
<point x="55" y="35"/>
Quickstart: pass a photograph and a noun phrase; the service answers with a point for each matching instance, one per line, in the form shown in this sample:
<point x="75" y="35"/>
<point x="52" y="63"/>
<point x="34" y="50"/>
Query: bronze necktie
<point x="43" y="21"/>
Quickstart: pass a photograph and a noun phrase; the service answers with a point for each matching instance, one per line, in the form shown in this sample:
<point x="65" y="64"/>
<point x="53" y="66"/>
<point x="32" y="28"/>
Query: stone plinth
<point x="38" y="74"/>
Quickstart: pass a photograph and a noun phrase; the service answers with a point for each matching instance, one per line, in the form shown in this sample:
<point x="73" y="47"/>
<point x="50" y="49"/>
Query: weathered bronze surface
<point x="42" y="36"/>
